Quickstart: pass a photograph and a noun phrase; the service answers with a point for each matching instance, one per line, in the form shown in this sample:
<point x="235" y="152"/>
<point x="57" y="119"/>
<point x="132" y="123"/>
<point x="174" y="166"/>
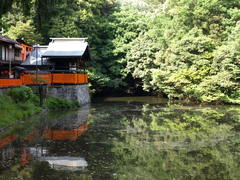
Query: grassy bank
<point x="20" y="103"/>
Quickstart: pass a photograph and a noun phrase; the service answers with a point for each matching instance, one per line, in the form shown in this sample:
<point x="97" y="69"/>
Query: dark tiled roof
<point x="8" y="40"/>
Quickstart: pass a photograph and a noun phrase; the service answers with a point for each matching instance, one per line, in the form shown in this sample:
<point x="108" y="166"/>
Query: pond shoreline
<point x="157" y="100"/>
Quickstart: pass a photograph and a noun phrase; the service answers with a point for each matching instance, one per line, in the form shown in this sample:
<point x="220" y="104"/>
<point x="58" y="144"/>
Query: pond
<point x="139" y="138"/>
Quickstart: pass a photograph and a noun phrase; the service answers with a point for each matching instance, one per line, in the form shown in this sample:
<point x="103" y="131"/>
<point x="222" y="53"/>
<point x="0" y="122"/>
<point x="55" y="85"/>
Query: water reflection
<point x="21" y="148"/>
<point x="66" y="163"/>
<point x="177" y="143"/>
<point x="143" y="141"/>
<point x="130" y="140"/>
<point x="68" y="127"/>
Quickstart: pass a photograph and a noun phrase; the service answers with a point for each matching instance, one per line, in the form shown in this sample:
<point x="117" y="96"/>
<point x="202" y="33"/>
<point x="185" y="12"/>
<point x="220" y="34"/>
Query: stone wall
<point x="4" y="90"/>
<point x="79" y="93"/>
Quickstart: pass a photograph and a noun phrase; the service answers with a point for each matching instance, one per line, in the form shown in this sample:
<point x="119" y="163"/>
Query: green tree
<point x="181" y="48"/>
<point x="26" y="31"/>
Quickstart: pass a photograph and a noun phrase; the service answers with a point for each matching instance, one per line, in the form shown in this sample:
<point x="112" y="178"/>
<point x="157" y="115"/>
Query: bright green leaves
<point x="191" y="51"/>
<point x="26" y="31"/>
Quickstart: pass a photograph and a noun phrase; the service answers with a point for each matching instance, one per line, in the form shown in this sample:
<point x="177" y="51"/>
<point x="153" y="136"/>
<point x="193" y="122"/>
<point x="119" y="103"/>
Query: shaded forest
<point x="180" y="49"/>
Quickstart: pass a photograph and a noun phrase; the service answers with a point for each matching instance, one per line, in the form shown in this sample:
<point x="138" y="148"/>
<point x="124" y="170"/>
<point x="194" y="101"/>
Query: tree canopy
<point x="180" y="49"/>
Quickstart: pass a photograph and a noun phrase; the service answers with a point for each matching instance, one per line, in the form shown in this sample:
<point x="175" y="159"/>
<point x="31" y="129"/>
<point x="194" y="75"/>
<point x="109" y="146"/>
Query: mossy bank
<point x="20" y="103"/>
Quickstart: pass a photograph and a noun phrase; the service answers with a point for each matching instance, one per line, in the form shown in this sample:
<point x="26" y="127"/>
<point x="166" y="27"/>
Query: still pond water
<point x="127" y="139"/>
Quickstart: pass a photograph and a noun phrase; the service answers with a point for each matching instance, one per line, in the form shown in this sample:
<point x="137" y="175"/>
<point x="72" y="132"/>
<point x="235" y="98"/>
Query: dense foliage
<point x="182" y="49"/>
<point x="190" y="51"/>
<point x="21" y="94"/>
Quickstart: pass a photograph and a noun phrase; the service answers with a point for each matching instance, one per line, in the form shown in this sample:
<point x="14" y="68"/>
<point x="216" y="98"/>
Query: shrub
<point x="59" y="103"/>
<point x="21" y="94"/>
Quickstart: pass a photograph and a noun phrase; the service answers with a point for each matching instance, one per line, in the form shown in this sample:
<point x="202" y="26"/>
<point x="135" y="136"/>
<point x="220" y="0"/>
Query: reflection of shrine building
<point x="66" y="163"/>
<point x="68" y="134"/>
<point x="69" y="126"/>
<point x="7" y="151"/>
<point x="6" y="141"/>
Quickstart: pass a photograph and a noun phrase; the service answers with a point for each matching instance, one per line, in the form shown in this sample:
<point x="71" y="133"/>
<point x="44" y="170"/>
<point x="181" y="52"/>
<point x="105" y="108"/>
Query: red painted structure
<point x="48" y="79"/>
<point x="26" y="50"/>
<point x="63" y="61"/>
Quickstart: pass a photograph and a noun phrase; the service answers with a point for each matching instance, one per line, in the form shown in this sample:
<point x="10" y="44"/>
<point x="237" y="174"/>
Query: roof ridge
<point x="7" y="39"/>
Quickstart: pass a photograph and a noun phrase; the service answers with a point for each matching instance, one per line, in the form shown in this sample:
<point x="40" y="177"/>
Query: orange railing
<point x="82" y="78"/>
<point x="29" y="79"/>
<point x="61" y="78"/>
<point x="10" y="82"/>
<point x="51" y="78"/>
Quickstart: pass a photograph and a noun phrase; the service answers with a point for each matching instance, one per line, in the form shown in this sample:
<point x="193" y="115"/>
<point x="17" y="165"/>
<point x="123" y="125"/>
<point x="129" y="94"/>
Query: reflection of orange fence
<point x="7" y="140"/>
<point x="72" y="134"/>
<point x="51" y="78"/>
<point x="26" y="156"/>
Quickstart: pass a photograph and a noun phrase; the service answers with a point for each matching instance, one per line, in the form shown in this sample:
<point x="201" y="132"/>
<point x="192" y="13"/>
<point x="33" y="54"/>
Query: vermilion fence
<point x="10" y="82"/>
<point x="50" y="79"/>
<point x="29" y="79"/>
<point x="61" y="78"/>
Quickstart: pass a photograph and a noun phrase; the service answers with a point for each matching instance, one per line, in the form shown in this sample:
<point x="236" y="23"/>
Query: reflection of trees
<point x="29" y="134"/>
<point x="181" y="144"/>
<point x="125" y="142"/>
<point x="42" y="170"/>
<point x="151" y="142"/>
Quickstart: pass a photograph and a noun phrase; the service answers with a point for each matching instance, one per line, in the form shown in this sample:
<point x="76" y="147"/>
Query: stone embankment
<point x="78" y="93"/>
